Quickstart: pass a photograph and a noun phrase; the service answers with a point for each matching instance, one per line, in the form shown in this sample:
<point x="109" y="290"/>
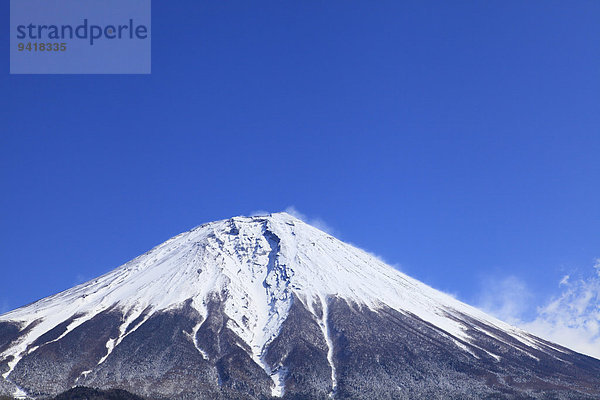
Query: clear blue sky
<point x="460" y="140"/>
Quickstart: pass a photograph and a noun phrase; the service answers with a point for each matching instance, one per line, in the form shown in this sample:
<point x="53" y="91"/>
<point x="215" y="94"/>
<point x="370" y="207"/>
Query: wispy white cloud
<point x="570" y="318"/>
<point x="573" y="317"/>
<point x="257" y="213"/>
<point x="564" y="280"/>
<point x="506" y="298"/>
<point x="378" y="257"/>
<point x="314" y="221"/>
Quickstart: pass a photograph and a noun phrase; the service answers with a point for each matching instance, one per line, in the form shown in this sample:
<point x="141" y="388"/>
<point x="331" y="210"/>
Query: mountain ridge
<point x="233" y="286"/>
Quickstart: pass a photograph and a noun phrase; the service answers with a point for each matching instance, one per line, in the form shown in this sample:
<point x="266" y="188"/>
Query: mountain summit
<point x="269" y="306"/>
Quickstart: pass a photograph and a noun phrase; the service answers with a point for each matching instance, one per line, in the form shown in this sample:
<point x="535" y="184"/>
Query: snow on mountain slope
<point x="260" y="264"/>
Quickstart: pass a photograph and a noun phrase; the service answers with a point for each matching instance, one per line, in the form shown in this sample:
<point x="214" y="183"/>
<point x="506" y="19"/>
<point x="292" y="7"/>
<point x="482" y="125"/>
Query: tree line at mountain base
<point x="85" y="393"/>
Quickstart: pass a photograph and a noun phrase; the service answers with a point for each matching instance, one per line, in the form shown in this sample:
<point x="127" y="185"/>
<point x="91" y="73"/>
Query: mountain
<point x="267" y="307"/>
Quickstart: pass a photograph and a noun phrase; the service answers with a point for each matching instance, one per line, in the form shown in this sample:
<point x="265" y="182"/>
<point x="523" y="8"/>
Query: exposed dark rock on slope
<point x="269" y="307"/>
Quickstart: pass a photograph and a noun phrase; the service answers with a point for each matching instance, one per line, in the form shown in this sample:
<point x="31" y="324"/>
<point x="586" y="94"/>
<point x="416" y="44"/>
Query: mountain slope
<point x="270" y="306"/>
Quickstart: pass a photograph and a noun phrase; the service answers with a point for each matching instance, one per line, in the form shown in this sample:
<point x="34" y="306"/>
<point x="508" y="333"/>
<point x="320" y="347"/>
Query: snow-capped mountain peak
<point x="256" y="267"/>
